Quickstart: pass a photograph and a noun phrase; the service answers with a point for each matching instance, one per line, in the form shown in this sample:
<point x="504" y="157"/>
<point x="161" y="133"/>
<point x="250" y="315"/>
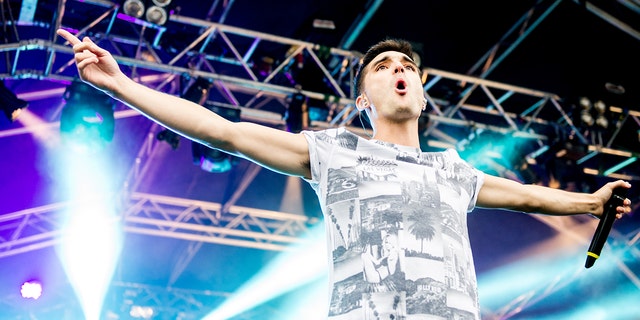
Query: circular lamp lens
<point x="157" y="15"/>
<point x="134" y="8"/>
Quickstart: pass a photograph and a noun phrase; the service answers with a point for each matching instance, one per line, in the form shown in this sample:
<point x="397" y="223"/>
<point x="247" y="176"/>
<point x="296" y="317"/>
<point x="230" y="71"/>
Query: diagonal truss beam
<point x="514" y="36"/>
<point x="610" y="18"/>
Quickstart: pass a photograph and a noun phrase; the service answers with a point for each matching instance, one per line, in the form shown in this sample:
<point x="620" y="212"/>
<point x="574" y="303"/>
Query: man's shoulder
<point x="332" y="132"/>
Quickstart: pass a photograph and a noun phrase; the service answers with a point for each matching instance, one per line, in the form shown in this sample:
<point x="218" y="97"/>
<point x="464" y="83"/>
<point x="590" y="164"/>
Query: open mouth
<point x="401" y="86"/>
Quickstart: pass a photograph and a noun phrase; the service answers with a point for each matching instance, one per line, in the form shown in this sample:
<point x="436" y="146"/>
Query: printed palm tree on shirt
<point x="334" y="220"/>
<point x="422" y="226"/>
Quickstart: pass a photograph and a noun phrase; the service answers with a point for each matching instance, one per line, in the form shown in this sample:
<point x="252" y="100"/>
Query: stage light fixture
<point x="601" y="118"/>
<point x="153" y="11"/>
<point x="10" y="103"/>
<point x="172" y="138"/>
<point x="31" y="289"/>
<point x="157" y="15"/>
<point x="585" y="112"/>
<point x="161" y="3"/>
<point x="87" y="119"/>
<point x="297" y="114"/>
<point x="211" y="160"/>
<point x="134" y="8"/>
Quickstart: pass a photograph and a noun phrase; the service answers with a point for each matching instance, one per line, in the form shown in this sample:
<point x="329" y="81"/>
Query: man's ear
<point x="362" y="102"/>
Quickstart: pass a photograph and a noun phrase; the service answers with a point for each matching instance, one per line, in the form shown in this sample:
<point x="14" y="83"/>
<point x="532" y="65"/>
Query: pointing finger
<point x="73" y="40"/>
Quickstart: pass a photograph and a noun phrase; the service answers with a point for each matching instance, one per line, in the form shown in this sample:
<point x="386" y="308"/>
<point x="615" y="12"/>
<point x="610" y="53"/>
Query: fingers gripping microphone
<point x="604" y="226"/>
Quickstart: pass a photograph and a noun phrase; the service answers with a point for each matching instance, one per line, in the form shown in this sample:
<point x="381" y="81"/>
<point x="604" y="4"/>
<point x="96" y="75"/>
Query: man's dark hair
<point x="399" y="45"/>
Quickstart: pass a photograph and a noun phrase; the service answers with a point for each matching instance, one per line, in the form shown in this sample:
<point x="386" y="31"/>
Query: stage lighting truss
<point x="477" y="103"/>
<point x="163" y="216"/>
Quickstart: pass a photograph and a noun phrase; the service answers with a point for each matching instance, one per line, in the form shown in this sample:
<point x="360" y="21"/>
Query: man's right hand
<point x="95" y="65"/>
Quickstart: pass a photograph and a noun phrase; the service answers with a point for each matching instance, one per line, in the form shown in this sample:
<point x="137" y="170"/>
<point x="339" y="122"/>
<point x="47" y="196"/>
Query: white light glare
<point x="92" y="237"/>
<point x="31" y="290"/>
<point x="141" y="312"/>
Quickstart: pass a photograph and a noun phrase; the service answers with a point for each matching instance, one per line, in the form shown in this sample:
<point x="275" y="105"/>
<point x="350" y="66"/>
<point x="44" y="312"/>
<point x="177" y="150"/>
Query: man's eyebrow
<point x="387" y="57"/>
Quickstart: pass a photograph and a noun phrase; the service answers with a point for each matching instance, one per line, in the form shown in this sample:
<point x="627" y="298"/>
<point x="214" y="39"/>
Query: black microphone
<point x="605" y="224"/>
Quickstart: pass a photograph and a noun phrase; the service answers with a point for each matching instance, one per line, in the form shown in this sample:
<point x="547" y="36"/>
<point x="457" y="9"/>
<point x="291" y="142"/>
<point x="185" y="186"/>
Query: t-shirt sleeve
<point x="314" y="160"/>
<point x="479" y="182"/>
<point x="475" y="178"/>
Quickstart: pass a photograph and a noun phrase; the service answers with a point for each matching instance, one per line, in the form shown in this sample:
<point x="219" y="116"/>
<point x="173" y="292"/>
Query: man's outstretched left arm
<point x="507" y="194"/>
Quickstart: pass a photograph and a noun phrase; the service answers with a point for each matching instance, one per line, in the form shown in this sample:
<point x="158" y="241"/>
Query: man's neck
<point x="401" y="134"/>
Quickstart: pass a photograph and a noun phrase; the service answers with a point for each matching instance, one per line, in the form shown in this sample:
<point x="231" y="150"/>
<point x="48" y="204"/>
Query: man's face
<point x="393" y="85"/>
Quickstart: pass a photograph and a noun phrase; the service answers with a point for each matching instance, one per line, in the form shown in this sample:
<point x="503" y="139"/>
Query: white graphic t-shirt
<point x="397" y="228"/>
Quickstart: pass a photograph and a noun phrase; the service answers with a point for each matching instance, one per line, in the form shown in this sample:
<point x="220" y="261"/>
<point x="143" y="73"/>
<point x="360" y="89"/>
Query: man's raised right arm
<point x="275" y="149"/>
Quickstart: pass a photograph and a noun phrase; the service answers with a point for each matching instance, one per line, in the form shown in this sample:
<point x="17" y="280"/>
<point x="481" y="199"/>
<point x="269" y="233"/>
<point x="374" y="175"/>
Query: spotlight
<point x="161" y="3"/>
<point x="614" y="88"/>
<point x="585" y="103"/>
<point x="10" y="103"/>
<point x="87" y="119"/>
<point x="211" y="159"/>
<point x="585" y="113"/>
<point x="264" y="66"/>
<point x="601" y="119"/>
<point x="198" y="92"/>
<point x="154" y="11"/>
<point x="134" y="8"/>
<point x="297" y="114"/>
<point x="172" y="138"/>
<point x="157" y="15"/>
<point x="31" y="290"/>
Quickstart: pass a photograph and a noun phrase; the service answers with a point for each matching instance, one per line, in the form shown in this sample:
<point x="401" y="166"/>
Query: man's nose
<point x="398" y="68"/>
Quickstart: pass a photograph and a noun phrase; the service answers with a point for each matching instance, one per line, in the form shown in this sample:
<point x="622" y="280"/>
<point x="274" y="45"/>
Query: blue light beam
<point x="302" y="264"/>
<point x="91" y="232"/>
<point x="555" y="285"/>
